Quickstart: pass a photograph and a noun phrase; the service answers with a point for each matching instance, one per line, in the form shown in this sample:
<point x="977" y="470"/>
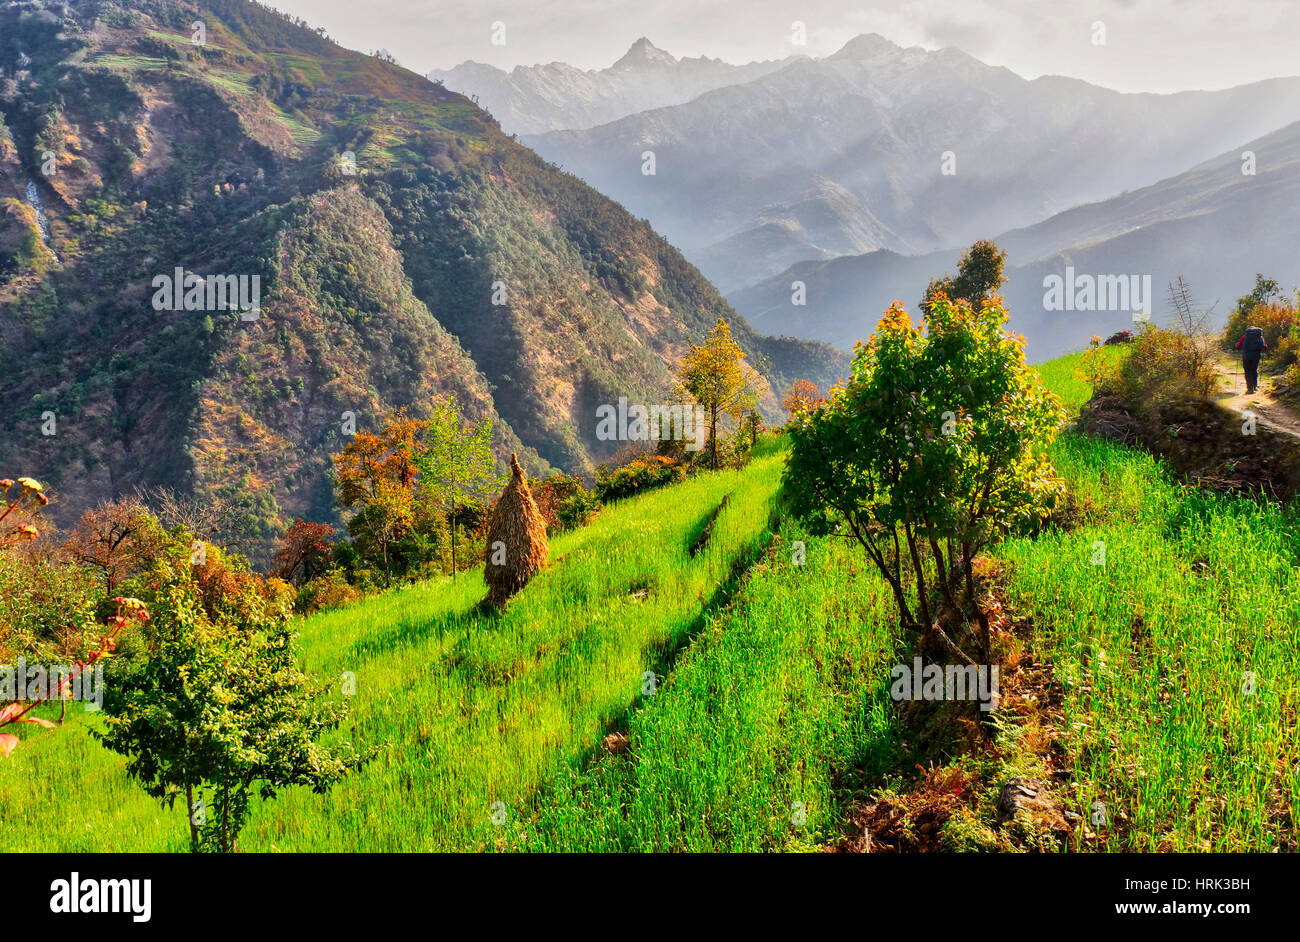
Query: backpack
<point x="1254" y="343"/>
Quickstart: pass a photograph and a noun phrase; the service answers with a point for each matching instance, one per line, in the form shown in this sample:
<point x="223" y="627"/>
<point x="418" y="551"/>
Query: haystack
<point x="516" y="540"/>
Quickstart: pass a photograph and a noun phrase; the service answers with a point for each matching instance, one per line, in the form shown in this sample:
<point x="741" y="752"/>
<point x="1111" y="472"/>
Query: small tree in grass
<point x="713" y="375"/>
<point x="934" y="449"/>
<point x="218" y="704"/>
<point x="455" y="462"/>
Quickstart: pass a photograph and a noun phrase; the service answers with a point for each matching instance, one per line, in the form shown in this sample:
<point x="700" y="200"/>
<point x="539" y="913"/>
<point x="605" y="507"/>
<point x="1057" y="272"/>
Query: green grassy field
<point x="470" y="710"/>
<point x="537" y="730"/>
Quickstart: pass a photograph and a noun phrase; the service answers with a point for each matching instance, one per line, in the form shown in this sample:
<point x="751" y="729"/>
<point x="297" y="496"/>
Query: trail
<point x="1271" y="413"/>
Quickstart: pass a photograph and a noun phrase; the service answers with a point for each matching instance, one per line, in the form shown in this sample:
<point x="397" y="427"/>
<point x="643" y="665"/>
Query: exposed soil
<point x="1010" y="811"/>
<point x="1272" y="411"/>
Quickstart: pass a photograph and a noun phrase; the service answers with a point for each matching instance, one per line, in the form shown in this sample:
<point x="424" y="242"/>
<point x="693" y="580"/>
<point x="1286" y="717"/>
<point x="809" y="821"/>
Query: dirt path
<point x="1232" y="395"/>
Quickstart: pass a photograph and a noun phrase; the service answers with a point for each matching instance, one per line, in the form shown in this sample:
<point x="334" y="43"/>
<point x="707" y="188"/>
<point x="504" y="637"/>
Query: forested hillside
<point x="406" y="249"/>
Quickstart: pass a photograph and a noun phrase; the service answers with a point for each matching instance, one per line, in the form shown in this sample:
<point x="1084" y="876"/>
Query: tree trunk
<point x="985" y="634"/>
<point x="942" y="568"/>
<point x="713" y="437"/>
<point x="227" y="842"/>
<point x="189" y="816"/>
<point x="452" y="515"/>
<point x="921" y="591"/>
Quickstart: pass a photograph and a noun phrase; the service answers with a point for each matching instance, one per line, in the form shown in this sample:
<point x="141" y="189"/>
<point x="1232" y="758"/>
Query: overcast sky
<point x="1151" y="45"/>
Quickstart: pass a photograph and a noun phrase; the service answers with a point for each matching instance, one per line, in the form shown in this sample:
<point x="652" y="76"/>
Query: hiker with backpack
<point x="1251" y="345"/>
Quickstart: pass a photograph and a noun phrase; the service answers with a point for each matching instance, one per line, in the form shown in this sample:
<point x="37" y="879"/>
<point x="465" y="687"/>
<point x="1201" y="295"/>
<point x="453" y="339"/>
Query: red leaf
<point x="8" y="743"/>
<point x="39" y="722"/>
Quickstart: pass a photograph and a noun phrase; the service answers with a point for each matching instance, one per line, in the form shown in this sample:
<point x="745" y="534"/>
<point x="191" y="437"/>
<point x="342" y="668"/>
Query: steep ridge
<point x="381" y="216"/>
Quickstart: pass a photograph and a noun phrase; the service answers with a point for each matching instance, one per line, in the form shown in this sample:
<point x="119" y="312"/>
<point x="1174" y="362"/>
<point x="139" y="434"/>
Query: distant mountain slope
<point x="406" y="249"/>
<point x="739" y="166"/>
<point x="539" y="98"/>
<point x="1211" y="224"/>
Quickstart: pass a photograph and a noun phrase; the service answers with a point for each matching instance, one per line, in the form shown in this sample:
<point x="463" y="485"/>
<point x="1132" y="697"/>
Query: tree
<point x="455" y="462"/>
<point x="304" y="551"/>
<point x="115" y="538"/>
<point x="979" y="276"/>
<point x="216" y="518"/>
<point x="712" y="374"/>
<point x="219" y="703"/>
<point x="374" y="478"/>
<point x="934" y="449"/>
<point x="800" y="397"/>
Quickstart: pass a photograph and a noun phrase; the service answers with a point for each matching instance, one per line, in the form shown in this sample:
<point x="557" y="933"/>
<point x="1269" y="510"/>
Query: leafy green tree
<point x="934" y="449"/>
<point x="979" y="276"/>
<point x="218" y="702"/>
<point x="455" y="463"/>
<point x="713" y="375"/>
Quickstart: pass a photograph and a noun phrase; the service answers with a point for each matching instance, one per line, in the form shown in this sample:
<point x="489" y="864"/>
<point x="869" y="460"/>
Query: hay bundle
<point x="516" y="540"/>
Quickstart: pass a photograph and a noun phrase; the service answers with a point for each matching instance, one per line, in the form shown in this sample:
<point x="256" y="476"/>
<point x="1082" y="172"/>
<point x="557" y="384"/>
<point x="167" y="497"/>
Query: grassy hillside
<point x="771" y="717"/>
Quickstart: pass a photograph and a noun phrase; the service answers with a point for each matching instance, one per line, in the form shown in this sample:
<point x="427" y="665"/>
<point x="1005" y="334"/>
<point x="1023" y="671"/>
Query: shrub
<point x="1263" y="307"/>
<point x="328" y="590"/>
<point x="1166" y="370"/>
<point x="577" y="509"/>
<point x="643" y="474"/>
<point x="551" y="492"/>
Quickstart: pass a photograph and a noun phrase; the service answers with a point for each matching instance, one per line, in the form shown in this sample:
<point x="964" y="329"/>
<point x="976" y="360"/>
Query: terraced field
<point x="693" y="672"/>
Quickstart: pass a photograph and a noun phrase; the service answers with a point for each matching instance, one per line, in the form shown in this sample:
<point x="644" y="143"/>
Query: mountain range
<point x="399" y="247"/>
<point x="556" y="96"/>
<point x="880" y="147"/>
<point x="1213" y="224"/>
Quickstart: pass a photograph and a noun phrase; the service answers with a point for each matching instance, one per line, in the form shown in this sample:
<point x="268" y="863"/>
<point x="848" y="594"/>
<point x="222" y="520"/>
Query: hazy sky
<point x="1151" y="45"/>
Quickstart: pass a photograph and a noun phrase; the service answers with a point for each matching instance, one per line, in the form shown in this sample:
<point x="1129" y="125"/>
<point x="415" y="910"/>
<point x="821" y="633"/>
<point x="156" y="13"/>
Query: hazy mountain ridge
<point x="1212" y="224"/>
<point x="539" y="98"/>
<point x="875" y="120"/>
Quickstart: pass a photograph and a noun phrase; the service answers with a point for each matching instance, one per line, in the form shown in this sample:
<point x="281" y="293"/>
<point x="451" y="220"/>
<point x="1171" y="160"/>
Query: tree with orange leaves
<point x="303" y="552"/>
<point x="374" y="478"/>
<point x="800" y="397"/>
